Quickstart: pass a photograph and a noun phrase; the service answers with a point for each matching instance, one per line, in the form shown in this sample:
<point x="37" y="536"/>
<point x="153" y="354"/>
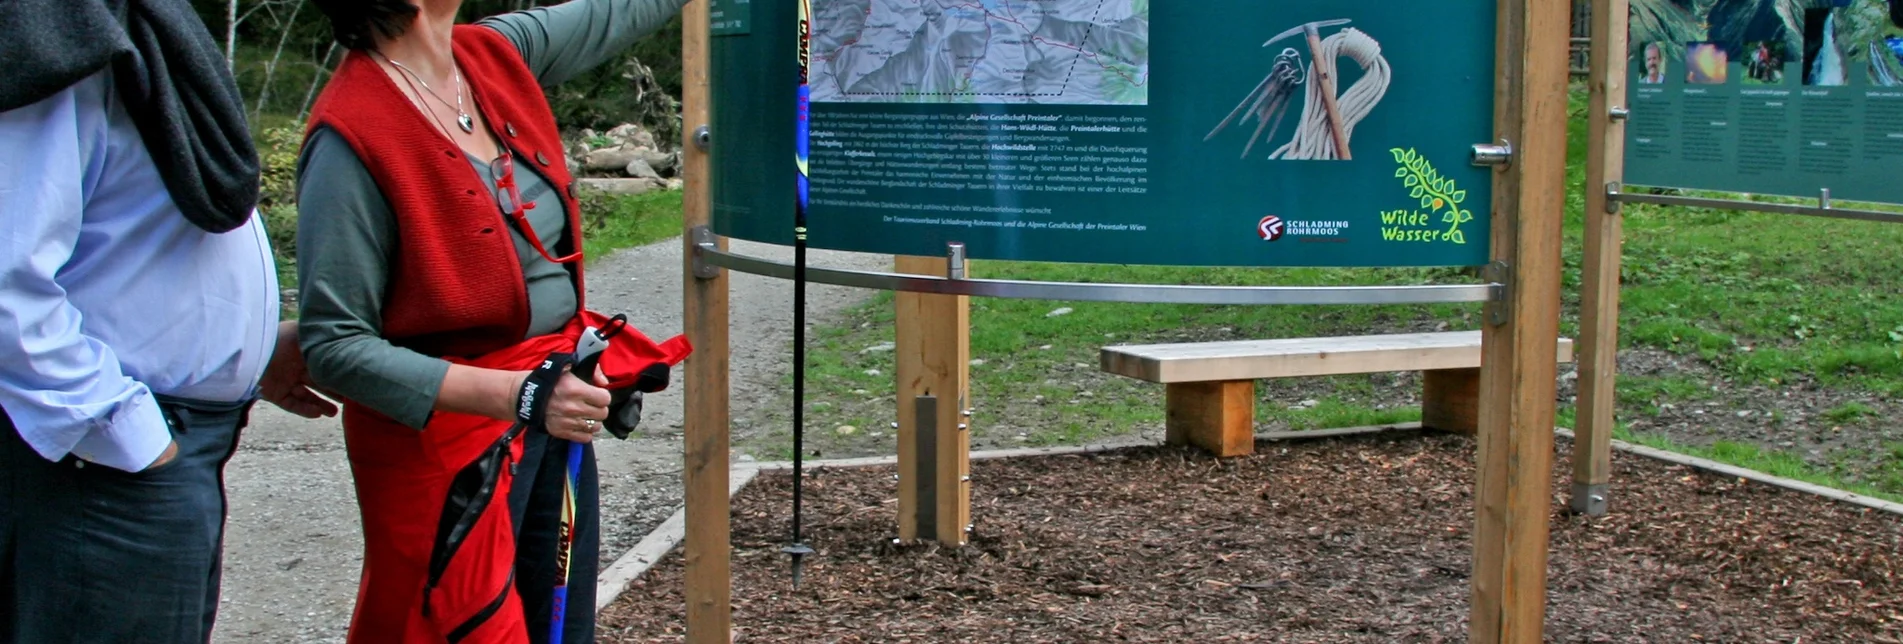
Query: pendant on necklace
<point x="468" y="124"/>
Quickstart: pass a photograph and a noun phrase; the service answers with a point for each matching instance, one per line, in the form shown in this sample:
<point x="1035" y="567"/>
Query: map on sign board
<point x="1065" y="52"/>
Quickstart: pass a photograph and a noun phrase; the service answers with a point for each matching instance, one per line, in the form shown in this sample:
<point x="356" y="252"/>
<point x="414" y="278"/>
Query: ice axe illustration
<point x="1312" y="30"/>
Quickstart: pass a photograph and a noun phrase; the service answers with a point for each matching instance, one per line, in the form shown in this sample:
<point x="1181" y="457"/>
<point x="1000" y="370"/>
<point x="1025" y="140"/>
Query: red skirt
<point x="439" y="545"/>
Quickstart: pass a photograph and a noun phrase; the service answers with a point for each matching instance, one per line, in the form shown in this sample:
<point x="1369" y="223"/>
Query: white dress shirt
<point x="108" y="295"/>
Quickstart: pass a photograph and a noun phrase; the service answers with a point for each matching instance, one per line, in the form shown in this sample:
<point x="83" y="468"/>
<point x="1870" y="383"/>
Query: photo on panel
<point x="1823" y="55"/>
<point x="1705" y="63"/>
<point x="1764" y="62"/>
<point x="1886" y="51"/>
<point x="1653" y="59"/>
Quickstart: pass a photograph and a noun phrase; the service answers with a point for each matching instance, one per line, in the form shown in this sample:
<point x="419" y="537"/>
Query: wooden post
<point x="1450" y="400"/>
<point x="1518" y="366"/>
<point x="705" y="390"/>
<point x="1216" y="416"/>
<point x="1599" y="295"/>
<point x="933" y="338"/>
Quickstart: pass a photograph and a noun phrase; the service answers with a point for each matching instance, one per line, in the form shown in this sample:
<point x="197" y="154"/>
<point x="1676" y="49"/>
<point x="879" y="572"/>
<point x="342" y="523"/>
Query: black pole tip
<point x="798" y="552"/>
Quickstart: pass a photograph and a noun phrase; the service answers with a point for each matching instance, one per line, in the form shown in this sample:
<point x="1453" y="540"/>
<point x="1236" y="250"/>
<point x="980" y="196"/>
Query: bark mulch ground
<point x="1360" y="539"/>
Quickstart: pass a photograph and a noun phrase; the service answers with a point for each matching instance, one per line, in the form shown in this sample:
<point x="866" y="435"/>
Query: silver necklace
<point x="463" y="119"/>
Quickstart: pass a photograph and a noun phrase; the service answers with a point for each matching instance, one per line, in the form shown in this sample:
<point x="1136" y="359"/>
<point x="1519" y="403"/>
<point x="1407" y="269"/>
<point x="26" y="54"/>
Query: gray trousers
<point x="93" y="554"/>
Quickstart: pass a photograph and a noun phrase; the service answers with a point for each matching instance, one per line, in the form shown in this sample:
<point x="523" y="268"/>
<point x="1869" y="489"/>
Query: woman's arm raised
<point x="562" y="41"/>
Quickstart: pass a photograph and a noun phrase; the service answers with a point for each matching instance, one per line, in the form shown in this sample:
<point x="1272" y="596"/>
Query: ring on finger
<point x="588" y="423"/>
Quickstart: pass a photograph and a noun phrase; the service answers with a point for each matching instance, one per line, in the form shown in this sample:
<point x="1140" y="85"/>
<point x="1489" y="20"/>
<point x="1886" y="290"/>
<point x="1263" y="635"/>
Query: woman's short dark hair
<point x="355" y="23"/>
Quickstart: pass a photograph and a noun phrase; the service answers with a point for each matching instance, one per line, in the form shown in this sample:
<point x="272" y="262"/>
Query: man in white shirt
<point x="138" y="322"/>
<point x="1654" y="64"/>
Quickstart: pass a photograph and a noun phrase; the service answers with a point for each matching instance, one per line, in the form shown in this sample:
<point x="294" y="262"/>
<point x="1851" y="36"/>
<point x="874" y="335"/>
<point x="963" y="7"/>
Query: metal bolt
<point x="955" y="260"/>
<point x="961" y="426"/>
<point x="1492" y="155"/>
<point x="1619" y="113"/>
<point x="703" y="137"/>
<point x="965" y="479"/>
<point x="895" y="424"/>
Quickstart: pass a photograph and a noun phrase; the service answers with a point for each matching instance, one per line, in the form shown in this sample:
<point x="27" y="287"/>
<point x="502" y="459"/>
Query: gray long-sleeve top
<point x="346" y="236"/>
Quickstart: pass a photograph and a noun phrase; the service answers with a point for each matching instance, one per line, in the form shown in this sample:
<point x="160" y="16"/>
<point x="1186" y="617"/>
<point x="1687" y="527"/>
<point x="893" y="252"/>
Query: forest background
<point x="281" y="53"/>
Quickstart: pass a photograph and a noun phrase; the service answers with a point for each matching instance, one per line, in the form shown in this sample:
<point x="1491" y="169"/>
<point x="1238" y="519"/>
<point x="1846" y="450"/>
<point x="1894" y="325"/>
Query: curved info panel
<point x="1775" y="97"/>
<point x="1291" y="133"/>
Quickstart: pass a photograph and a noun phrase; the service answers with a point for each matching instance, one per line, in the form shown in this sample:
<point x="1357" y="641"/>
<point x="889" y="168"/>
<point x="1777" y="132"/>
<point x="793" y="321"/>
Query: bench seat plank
<point x="1295" y="357"/>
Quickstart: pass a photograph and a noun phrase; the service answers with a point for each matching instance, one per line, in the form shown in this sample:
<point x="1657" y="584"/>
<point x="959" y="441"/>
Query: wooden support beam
<point x="933" y="338"/>
<point x="1218" y="417"/>
<point x="706" y="544"/>
<point x="1450" y="400"/>
<point x="1518" y="370"/>
<point x="1599" y="295"/>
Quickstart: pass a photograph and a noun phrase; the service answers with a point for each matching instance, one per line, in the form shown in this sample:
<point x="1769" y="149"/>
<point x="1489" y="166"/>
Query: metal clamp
<point x="704" y="238"/>
<point x="1485" y="155"/>
<point x="1499" y="310"/>
<point x="703" y="138"/>
<point x="1619" y="113"/>
<point x="1613" y="206"/>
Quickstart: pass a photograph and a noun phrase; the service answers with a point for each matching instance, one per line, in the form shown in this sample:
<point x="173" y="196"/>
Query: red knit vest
<point x="455" y="285"/>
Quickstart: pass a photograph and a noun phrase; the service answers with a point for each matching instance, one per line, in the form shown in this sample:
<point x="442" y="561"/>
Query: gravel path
<point x="293" y="550"/>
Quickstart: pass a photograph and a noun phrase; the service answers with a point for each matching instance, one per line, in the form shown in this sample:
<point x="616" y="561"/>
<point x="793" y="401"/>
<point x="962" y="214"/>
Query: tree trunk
<point x="231" y="34"/>
<point x="271" y="69"/>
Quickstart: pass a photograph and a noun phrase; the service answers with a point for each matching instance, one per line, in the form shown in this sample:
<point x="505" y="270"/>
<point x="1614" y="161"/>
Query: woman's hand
<point x="577" y="409"/>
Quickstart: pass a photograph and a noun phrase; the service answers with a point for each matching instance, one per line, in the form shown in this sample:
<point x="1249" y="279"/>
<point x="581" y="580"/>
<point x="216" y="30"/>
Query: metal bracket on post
<point x="1485" y="154"/>
<point x="1618" y="114"/>
<point x="1823" y="198"/>
<point x="703" y="138"/>
<point x="955" y="260"/>
<point x="1500" y="274"/>
<point x="702" y="268"/>
<point x="1613" y="205"/>
<point x="1589" y="500"/>
<point x="925" y="460"/>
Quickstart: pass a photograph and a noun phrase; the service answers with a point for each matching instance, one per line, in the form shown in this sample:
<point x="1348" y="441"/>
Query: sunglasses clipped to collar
<point x="509" y="196"/>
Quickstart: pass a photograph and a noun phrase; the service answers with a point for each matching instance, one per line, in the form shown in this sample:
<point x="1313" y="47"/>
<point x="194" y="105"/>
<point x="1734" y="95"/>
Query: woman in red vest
<point x="439" y="255"/>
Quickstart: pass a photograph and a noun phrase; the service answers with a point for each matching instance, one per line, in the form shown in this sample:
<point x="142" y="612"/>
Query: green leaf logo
<point x="1436" y="193"/>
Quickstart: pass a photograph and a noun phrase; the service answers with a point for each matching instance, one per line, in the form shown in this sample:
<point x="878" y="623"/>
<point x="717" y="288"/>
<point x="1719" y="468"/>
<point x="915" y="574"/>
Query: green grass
<point x="1887" y="484"/>
<point x="623" y="221"/>
<point x="1753" y="299"/>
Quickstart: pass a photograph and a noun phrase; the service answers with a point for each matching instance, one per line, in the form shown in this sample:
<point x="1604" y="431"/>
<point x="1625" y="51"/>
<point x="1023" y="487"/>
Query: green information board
<point x="729" y="17"/>
<point x="1785" y="97"/>
<point x="1116" y="131"/>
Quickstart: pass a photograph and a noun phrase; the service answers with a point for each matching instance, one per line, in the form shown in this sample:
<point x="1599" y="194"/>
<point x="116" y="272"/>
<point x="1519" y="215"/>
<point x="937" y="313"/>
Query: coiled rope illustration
<point x="1327" y="121"/>
<point x="1315" y="137"/>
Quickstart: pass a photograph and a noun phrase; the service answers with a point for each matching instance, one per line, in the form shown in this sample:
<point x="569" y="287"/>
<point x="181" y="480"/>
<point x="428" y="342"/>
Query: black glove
<point x="624" y="405"/>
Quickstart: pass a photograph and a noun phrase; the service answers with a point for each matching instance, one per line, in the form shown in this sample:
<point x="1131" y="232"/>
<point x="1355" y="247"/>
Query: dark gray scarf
<point x="169" y="73"/>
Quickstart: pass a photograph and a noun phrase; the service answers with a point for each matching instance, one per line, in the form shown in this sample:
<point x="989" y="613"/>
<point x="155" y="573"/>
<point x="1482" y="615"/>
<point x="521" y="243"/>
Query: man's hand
<point x="287" y="383"/>
<point x="171" y="452"/>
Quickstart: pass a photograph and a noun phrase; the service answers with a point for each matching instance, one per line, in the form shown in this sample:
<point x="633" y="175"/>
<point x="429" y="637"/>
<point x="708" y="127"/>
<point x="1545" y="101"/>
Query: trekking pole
<point x="797" y="549"/>
<point x="588" y="352"/>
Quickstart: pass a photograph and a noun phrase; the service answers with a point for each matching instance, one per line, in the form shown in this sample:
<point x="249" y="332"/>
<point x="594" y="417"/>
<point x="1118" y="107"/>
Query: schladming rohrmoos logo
<point x="1270" y="228"/>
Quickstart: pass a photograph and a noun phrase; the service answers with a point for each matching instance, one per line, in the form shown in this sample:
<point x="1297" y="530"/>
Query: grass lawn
<point x="614" y="222"/>
<point x="1768" y="341"/>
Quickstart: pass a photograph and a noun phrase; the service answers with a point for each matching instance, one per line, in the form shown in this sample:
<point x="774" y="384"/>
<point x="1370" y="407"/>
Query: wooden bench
<point x="1210" y="386"/>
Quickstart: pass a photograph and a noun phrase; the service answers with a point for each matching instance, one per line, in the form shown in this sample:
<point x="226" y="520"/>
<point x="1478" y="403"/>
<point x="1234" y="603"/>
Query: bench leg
<point x="1218" y="417"/>
<point x="1450" y="400"/>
